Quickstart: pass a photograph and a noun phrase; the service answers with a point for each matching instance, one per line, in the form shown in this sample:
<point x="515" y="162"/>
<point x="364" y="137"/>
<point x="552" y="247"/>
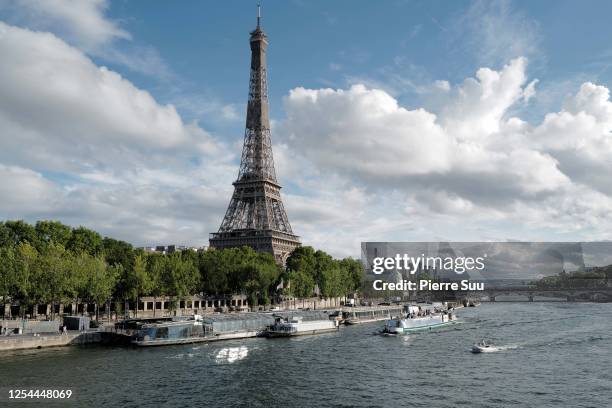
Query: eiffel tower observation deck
<point x="256" y="216"/>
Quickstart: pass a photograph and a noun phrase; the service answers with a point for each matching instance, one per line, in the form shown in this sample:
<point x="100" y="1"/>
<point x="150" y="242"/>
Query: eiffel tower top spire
<point x="257" y="162"/>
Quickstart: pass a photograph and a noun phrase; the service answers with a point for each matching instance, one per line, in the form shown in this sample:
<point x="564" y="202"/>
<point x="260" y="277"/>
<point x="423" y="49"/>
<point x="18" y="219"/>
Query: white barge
<point x="361" y="315"/>
<point x="418" y="319"/>
<point x="296" y="326"/>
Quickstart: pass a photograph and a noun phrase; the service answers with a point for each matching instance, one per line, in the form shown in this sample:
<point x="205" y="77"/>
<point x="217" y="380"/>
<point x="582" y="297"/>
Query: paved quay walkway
<point x="31" y="341"/>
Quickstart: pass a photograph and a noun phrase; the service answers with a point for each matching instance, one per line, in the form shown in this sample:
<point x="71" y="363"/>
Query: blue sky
<point x="392" y="120"/>
<point x="318" y="44"/>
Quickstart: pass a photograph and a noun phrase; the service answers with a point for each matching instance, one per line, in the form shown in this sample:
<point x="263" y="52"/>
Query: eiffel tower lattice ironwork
<point x="256" y="216"/>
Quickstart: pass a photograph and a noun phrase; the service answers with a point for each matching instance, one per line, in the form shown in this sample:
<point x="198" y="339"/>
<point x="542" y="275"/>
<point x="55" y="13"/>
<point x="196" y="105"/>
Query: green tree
<point x="121" y="253"/>
<point x="138" y="280"/>
<point x="301" y="284"/>
<point x="20" y="231"/>
<point x="25" y="275"/>
<point x="53" y="276"/>
<point x="85" y="240"/>
<point x="79" y="269"/>
<point x="101" y="279"/>
<point x="214" y="265"/>
<point x="156" y="266"/>
<point x="5" y="235"/>
<point x="323" y="264"/>
<point x="118" y="252"/>
<point x="333" y="281"/>
<point x="53" y="231"/>
<point x="7" y="277"/>
<point x="301" y="275"/>
<point x="180" y="276"/>
<point x="258" y="275"/>
<point x="303" y="259"/>
<point x="355" y="273"/>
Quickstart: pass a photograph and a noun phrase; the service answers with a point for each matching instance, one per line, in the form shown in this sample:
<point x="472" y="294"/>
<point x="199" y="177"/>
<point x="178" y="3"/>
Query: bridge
<point x="603" y="294"/>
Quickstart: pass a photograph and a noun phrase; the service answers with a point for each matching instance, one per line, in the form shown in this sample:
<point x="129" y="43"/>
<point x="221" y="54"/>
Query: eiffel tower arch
<point x="256" y="216"/>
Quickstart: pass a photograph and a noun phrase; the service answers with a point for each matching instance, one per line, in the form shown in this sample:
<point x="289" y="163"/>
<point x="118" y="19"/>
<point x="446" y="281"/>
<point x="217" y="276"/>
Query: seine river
<point x="552" y="355"/>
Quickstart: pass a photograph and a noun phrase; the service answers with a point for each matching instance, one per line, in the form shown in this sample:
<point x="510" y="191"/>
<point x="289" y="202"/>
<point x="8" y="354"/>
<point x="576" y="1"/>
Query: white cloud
<point x="79" y="107"/>
<point x="85" y="25"/>
<point x="25" y="192"/>
<point x="469" y="171"/>
<point x="477" y="106"/>
<point x="365" y="133"/>
<point x="580" y="137"/>
<point x="82" y="144"/>
<point x="442" y="85"/>
<point x="365" y="124"/>
<point x="81" y="21"/>
<point x="495" y="32"/>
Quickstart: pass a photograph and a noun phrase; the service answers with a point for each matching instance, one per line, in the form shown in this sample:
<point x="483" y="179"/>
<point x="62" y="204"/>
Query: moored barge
<point x="197" y="329"/>
<point x="297" y="326"/>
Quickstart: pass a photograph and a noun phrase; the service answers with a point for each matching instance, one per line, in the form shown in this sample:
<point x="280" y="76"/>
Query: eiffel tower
<point x="256" y="216"/>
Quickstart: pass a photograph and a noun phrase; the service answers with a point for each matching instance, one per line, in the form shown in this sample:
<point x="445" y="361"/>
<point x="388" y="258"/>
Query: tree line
<point x="52" y="263"/>
<point x="592" y="279"/>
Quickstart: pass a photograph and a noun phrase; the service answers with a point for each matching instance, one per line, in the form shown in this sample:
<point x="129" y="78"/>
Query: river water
<point x="551" y="355"/>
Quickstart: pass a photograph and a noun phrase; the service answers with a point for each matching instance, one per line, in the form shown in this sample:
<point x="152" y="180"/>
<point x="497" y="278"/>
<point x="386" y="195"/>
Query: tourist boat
<point x="418" y="319"/>
<point x="369" y="314"/>
<point x="297" y="326"/>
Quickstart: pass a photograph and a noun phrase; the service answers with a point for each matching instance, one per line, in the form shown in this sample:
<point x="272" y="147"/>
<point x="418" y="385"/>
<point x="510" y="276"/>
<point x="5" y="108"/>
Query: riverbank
<point x="108" y="334"/>
<point x="37" y="341"/>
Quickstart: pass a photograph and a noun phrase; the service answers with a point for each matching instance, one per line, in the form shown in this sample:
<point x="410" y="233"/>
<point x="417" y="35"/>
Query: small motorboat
<point x="483" y="347"/>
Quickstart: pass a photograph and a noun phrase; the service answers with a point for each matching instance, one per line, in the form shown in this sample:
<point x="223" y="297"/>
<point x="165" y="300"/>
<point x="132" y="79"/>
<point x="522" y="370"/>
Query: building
<point x="256" y="216"/>
<point x="168" y="249"/>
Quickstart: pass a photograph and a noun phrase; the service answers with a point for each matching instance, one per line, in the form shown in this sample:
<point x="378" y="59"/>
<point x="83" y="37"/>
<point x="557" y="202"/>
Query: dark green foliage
<point x="19" y="231"/>
<point x="85" y="240"/>
<point x="8" y="277"/>
<point x="334" y="278"/>
<point x="239" y="270"/>
<point x="52" y="263"/>
<point x="180" y="276"/>
<point x="301" y="283"/>
<point x="355" y="272"/>
<point x="303" y="259"/>
<point x="118" y="252"/>
<point x="53" y="231"/>
<point x="4" y="235"/>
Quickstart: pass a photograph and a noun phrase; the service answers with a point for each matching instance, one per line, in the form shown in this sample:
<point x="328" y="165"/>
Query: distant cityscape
<point x="169" y="249"/>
